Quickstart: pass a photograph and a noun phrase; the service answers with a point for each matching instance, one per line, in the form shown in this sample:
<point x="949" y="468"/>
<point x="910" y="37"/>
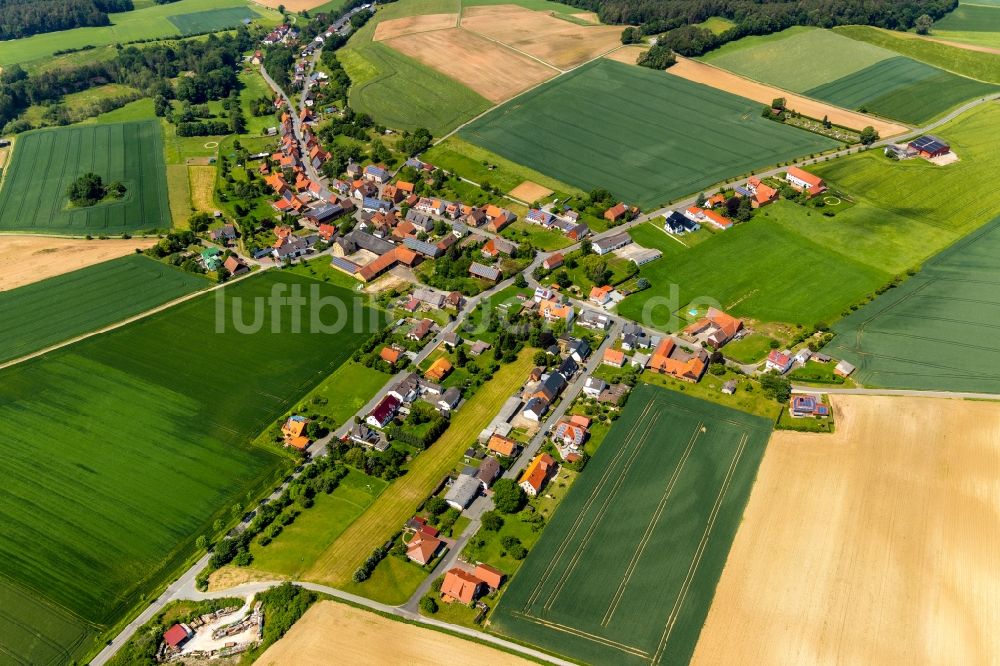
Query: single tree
<point x="508" y="496"/>
<point x="429" y="605"/>
<point x="923" y="24"/>
<point x="869" y="135"/>
<point x="492" y="521"/>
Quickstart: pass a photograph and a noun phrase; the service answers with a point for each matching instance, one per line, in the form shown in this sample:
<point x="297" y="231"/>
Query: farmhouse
<point x="762" y="193"/>
<point x="537" y="474"/>
<point x="484" y="272"/>
<point x="605" y="245"/>
<point x="779" y="361"/>
<point x="294" y="431"/>
<point x="614" y="358"/>
<point x="504" y="446"/>
<point x="618" y="213"/>
<point x="715" y="328"/>
<point x="803" y="406"/>
<point x="929" y="146"/>
<point x="461" y="586"/>
<point x="669" y="359"/>
<point x="553" y="261"/>
<point x="803" y="181"/>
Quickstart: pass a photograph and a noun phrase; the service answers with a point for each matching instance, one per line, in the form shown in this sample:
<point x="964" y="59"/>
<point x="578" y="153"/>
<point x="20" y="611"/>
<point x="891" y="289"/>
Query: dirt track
<point x="411" y="24"/>
<point x="700" y="72"/>
<point x="495" y="72"/>
<point x="27" y="259"/>
<point x="332" y="632"/>
<point x="560" y="43"/>
<point x="875" y="545"/>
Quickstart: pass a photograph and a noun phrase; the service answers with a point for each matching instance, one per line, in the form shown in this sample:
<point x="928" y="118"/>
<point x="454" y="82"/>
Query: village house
<point x="715" y="328"/>
<point x="613" y="357"/>
<point x="553" y="311"/>
<point x="568" y="436"/>
<point x="593" y="386"/>
<point x="669" y="359"/>
<point x="488" y="472"/>
<point x="605" y="245"/>
<point x="235" y="265"/>
<point x="492" y="577"/>
<point x="439" y="370"/>
<point x="803" y="181"/>
<point x="553" y="261"/>
<point x="484" y="272"/>
<point x="761" y="193"/>
<point x="679" y="224"/>
<point x="843" y="369"/>
<point x="390" y="355"/>
<point x="462" y="492"/>
<point x="503" y="446"/>
<point x="537" y="474"/>
<point x="423" y="548"/>
<point x="293" y="430"/>
<point x="449" y="400"/>
<point x="614" y="395"/>
<point x="461" y="586"/>
<point x="224" y="234"/>
<point x="383" y="412"/>
<point x="619" y="213"/>
<point x="779" y="361"/>
<point x="804" y="406"/>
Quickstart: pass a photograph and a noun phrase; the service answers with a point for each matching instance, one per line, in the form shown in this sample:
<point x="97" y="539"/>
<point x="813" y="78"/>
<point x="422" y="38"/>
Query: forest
<point x="22" y="18"/>
<point x="676" y="19"/>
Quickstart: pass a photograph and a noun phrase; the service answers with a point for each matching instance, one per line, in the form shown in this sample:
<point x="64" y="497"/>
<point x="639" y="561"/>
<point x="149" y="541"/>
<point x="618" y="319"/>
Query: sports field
<point x="396" y="505"/>
<point x="120" y="450"/>
<point x="937" y="331"/>
<point x="849" y="73"/>
<point x="151" y="22"/>
<point x="46" y="161"/>
<point x="47" y="312"/>
<point x="674" y="137"/>
<point x="872" y="545"/>
<point x="625" y="571"/>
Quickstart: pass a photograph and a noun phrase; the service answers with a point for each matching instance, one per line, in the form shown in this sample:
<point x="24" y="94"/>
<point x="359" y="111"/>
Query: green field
<point x="760" y="270"/>
<point x="975" y="64"/>
<point x="146" y="23"/>
<point x="626" y="569"/>
<point x="673" y="137"/>
<point x="120" y="450"/>
<point x="46" y="161"/>
<point x="850" y="73"/>
<point x="975" y="23"/>
<point x="937" y="331"/>
<point x="44" y="313"/>
<point x="397" y="90"/>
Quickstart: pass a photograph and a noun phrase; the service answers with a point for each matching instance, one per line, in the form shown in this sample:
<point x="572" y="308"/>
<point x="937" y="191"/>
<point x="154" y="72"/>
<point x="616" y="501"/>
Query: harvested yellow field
<point x="201" y="180"/>
<point x="27" y="259"/>
<point x="411" y="24"/>
<point x="492" y="70"/>
<point x="179" y="194"/>
<point x="589" y="17"/>
<point x="529" y="192"/>
<point x="360" y="637"/>
<point x="627" y="54"/>
<point x="560" y="43"/>
<point x="700" y="72"/>
<point x="875" y="545"/>
<point x="396" y="505"/>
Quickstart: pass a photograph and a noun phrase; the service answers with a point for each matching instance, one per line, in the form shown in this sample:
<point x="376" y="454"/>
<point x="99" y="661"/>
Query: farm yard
<point x="624" y="572"/>
<point x="156" y="21"/>
<point x="65" y="306"/>
<point x="673" y="138"/>
<point x="877" y="539"/>
<point x="27" y="259"/>
<point x="936" y="331"/>
<point x="397" y="503"/>
<point x="46" y="162"/>
<point x="361" y="637"/>
<point x="149" y="427"/>
<point x="849" y="73"/>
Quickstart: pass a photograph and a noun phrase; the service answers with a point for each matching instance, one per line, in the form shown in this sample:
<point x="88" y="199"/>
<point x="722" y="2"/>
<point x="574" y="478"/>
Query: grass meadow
<point x="851" y="73"/>
<point x="44" y="313"/>
<point x="157" y="21"/>
<point x="976" y="23"/>
<point x="974" y="64"/>
<point x="936" y="331"/>
<point x="625" y="571"/>
<point x="122" y="449"/>
<point x="397" y="90"/>
<point x="393" y="507"/>
<point x="46" y="162"/>
<point x="674" y="136"/>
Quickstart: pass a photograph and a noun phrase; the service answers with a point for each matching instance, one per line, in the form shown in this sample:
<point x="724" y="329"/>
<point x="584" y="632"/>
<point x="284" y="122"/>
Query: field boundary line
<point x="668" y="234"/>
<point x="583" y="511"/>
<point x="599" y="518"/>
<point x="651" y="526"/>
<point x="700" y="551"/>
<point x="508" y="46"/>
<point x="583" y="634"/>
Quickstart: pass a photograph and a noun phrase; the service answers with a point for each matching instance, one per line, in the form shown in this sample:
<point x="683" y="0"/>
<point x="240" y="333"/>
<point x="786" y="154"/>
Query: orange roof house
<point x="390" y="355"/>
<point x="404" y="186"/>
<point x="721" y="327"/>
<point x="715" y="200"/>
<point x="689" y="368"/>
<point x="504" y="446"/>
<point x="804" y="181"/>
<point x="763" y="193"/>
<point x="399" y="255"/>
<point x="293" y="430"/>
<point x="718" y="220"/>
<point x="613" y="357"/>
<point x="492" y="576"/>
<point x="599" y="295"/>
<point x="617" y="212"/>
<point x="438" y="370"/>
<point x="555" y="260"/>
<point x="537" y="473"/>
<point x="552" y="311"/>
<point x="422" y="548"/>
<point x="460" y="586"/>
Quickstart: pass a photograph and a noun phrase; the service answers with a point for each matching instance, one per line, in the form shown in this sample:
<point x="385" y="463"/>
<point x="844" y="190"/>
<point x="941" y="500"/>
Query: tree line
<point x="674" y="20"/>
<point x="23" y="18"/>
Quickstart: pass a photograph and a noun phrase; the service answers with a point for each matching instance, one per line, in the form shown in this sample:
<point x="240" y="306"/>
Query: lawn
<point x="345" y="391"/>
<point x="394" y="506"/>
<point x="626" y="570"/>
<point x="936" y="331"/>
<point x="300" y="543"/>
<point x="751" y="349"/>
<point x="59" y="308"/>
<point x="974" y="23"/>
<point x="974" y="64"/>
<point x="473" y="162"/>
<point x="537" y="236"/>
<point x="148" y="427"/>
<point x="46" y="162"/>
<point x="152" y="22"/>
<point x="397" y="90"/>
<point x="673" y="138"/>
<point x="854" y="73"/>
<point x="783" y="276"/>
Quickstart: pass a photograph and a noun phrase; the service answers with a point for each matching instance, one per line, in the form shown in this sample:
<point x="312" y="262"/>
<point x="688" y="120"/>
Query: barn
<point x="930" y="146"/>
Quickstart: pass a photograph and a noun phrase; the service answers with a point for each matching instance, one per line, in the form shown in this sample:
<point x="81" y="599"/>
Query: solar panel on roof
<point x="930" y="144"/>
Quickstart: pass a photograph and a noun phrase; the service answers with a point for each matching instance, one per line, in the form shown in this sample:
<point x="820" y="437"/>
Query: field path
<point x="125" y="322"/>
